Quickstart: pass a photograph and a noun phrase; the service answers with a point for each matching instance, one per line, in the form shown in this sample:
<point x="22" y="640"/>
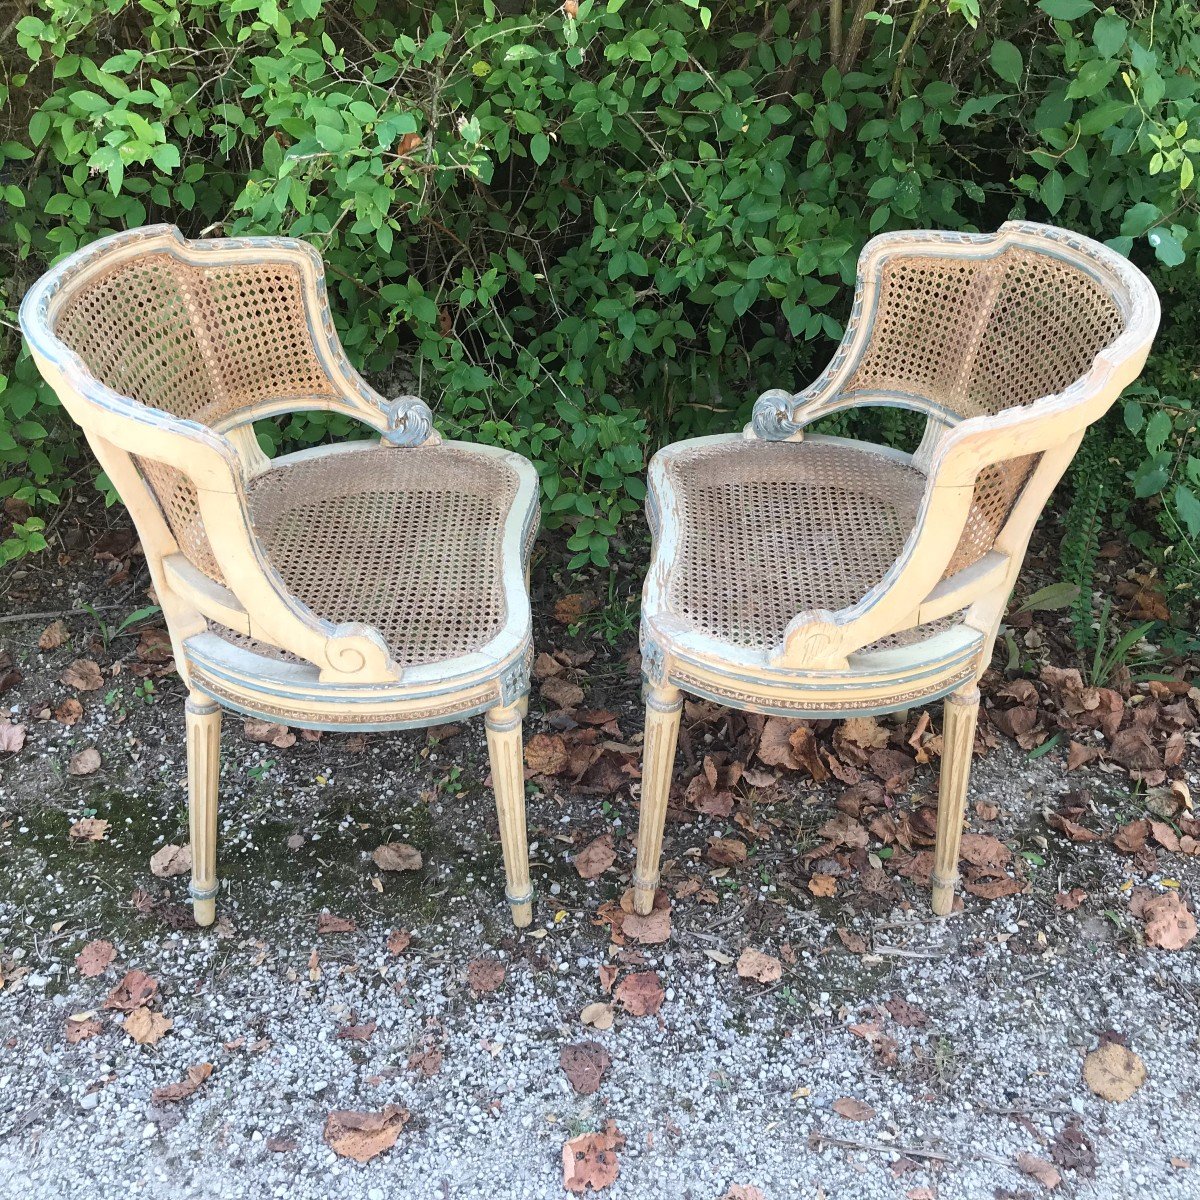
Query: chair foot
<point x="203" y="720"/>
<point x="503" y="724"/>
<point x="663" y="708"/>
<point x="958" y="743"/>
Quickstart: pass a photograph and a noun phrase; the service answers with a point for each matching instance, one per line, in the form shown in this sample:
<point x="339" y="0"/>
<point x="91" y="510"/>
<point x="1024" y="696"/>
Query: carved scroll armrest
<point x="782" y="416"/>
<point x="407" y="421"/>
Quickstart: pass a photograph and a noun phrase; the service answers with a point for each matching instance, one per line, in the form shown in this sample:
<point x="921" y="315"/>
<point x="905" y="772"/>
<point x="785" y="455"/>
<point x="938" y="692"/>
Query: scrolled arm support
<point x="408" y="421"/>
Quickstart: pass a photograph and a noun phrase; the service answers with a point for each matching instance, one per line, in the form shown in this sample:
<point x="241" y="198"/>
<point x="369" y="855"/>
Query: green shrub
<point x="590" y="228"/>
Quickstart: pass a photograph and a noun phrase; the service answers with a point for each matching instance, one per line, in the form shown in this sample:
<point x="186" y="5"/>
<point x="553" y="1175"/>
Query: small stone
<point x="89" y="1100"/>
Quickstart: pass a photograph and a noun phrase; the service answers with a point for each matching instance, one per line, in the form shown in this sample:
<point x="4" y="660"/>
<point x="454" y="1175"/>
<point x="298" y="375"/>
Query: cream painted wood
<point x="926" y="629"/>
<point x="961" y="711"/>
<point x="291" y="664"/>
<point x="663" y="708"/>
<point x="202" y="718"/>
<point x="503" y="726"/>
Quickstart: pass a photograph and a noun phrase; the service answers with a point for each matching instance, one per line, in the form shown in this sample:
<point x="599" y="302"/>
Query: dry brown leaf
<point x="83" y="675"/>
<point x="363" y="1135"/>
<point x="823" y="885"/>
<point x="281" y="1145"/>
<point x="547" y="754"/>
<point x="584" y="1064"/>
<point x="726" y="852"/>
<point x="864" y="732"/>
<point x="652" y="929"/>
<point x="170" y="860"/>
<point x="1130" y="838"/>
<point x="53" y="636"/>
<point x="596" y="857"/>
<point x="85" y="762"/>
<point x="68" y="711"/>
<point x="94" y="958"/>
<point x="1038" y="1168"/>
<point x="906" y="1014"/>
<point x="147" y="1028"/>
<point x="590" y="1160"/>
<point x="775" y="745"/>
<point x="89" y="829"/>
<point x="269" y="733"/>
<point x="173" y="1093"/>
<point x="81" y="1027"/>
<point x="853" y="1110"/>
<point x="357" y="1033"/>
<point x="1114" y="1072"/>
<point x="426" y="1062"/>
<point x="135" y="990"/>
<point x="762" y="968"/>
<point x="398" y="941"/>
<point x="569" y="610"/>
<point x="598" y="1015"/>
<point x="640" y="995"/>
<point x="397" y="856"/>
<point x="12" y="737"/>
<point x="1170" y="924"/>
<point x="561" y="692"/>
<point x="484" y="975"/>
<point x="854" y="942"/>
<point x="328" y="922"/>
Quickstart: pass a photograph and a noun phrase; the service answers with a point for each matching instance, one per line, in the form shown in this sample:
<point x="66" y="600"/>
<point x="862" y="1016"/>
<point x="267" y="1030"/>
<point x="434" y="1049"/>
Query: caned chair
<point x="812" y="576"/>
<point x="370" y="585"/>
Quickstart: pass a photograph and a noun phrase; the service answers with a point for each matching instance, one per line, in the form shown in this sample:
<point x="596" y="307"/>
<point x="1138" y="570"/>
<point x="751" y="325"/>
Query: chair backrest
<point x="164" y="351"/>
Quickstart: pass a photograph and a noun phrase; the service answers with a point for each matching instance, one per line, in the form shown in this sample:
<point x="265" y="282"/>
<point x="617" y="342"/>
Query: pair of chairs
<point x="384" y="585"/>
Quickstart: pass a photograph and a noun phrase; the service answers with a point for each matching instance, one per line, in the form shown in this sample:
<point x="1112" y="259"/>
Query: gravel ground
<point x="732" y="1083"/>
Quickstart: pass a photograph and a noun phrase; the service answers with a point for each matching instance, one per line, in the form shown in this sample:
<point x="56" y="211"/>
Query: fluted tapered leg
<point x="663" y="706"/>
<point x="508" y="779"/>
<point x="203" y="718"/>
<point x="958" y="740"/>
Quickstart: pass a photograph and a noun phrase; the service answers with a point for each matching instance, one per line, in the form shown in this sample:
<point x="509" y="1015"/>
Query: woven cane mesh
<point x="996" y="490"/>
<point x="772" y="529"/>
<point x="980" y="335"/>
<point x="176" y="496"/>
<point x="409" y="542"/>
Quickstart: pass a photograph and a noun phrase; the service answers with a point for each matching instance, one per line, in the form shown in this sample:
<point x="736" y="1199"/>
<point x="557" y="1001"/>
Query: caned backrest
<point x="164" y="351"/>
<point x="1005" y="341"/>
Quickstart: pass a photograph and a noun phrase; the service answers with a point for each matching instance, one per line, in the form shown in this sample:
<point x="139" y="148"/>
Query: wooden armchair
<point x="362" y="586"/>
<point x="810" y="576"/>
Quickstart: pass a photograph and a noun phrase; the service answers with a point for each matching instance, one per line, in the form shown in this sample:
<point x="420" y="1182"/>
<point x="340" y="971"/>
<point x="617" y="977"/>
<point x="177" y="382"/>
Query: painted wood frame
<point x="827" y="664"/>
<point x="331" y="675"/>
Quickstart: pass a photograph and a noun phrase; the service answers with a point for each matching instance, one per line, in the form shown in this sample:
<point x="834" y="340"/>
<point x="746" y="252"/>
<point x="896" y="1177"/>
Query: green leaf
<point x="539" y="148"/>
<point x="1007" y="62"/>
<point x="1053" y="192"/>
<point x="1166" y="245"/>
<point x="1188" y="508"/>
<point x="1109" y="35"/>
<point x="1066" y="10"/>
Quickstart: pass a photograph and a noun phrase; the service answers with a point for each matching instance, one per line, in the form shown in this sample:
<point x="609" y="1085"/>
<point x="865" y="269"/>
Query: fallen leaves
<point x="1113" y="1072"/>
<point x="484" y="975"/>
<point x="173" y="1093"/>
<point x="85" y="762"/>
<point x="640" y="995"/>
<point x="83" y="675"/>
<point x="94" y="958"/>
<point x="761" y="968"/>
<point x="1038" y="1168"/>
<point x="53" y="636"/>
<point x="354" y="1032"/>
<point x="584" y="1064"/>
<point x="726" y="852"/>
<point x="328" y="922"/>
<point x="397" y="856"/>
<point x="1170" y="924"/>
<point x="268" y="733"/>
<point x="363" y="1136"/>
<point x="598" y="1015"/>
<point x="171" y="860"/>
<point x="398" y="941"/>
<point x="146" y="1027"/>
<point x="596" y="857"/>
<point x="68" y="711"/>
<point x="12" y="737"/>
<point x="80" y="1027"/>
<point x="852" y="1109"/>
<point x="88" y="829"/>
<point x="136" y="990"/>
<point x="590" y="1160"/>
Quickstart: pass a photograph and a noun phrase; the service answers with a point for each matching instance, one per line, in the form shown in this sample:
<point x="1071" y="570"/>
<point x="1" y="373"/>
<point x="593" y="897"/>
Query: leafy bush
<point x="590" y="228"/>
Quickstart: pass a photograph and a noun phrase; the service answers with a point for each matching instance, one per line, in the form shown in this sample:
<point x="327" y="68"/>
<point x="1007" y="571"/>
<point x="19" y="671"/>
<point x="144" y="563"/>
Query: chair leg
<point x="663" y="707"/>
<point x="203" y="718"/>
<point x="958" y="740"/>
<point x="503" y="725"/>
